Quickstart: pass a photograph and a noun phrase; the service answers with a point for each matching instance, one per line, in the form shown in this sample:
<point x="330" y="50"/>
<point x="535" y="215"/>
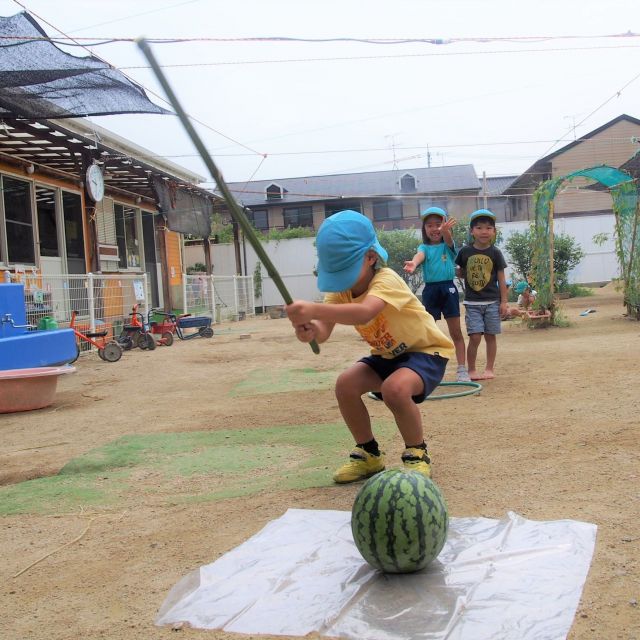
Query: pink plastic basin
<point x="27" y="389"/>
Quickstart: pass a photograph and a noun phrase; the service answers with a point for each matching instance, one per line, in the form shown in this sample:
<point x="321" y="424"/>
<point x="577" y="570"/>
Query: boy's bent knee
<point x="395" y="393"/>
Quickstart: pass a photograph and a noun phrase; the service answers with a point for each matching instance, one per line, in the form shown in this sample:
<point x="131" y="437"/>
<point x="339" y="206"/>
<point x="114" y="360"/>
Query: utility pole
<point x="428" y="157"/>
<point x="484" y="189"/>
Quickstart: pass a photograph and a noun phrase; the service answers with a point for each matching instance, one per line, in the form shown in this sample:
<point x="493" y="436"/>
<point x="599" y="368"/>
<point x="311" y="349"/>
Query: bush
<point x="221" y="231"/>
<point x="576" y="291"/>
<point x="286" y="234"/>
<point x="567" y="254"/>
<point x="198" y="267"/>
<point x="401" y="245"/>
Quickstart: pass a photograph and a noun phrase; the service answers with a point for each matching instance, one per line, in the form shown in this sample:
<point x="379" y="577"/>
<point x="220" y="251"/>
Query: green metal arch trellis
<point x="624" y="195"/>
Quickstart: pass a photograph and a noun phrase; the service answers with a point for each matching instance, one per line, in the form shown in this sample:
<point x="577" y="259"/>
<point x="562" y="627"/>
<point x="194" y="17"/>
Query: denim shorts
<point x="483" y="318"/>
<point x="441" y="299"/>
<point x="430" y="368"/>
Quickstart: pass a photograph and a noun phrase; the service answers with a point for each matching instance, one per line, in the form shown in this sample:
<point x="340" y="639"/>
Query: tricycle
<point x="136" y="332"/>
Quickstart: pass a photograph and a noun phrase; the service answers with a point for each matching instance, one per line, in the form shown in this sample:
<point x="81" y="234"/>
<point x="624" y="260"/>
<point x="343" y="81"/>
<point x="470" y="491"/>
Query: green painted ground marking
<point x="263" y="381"/>
<point x="178" y="468"/>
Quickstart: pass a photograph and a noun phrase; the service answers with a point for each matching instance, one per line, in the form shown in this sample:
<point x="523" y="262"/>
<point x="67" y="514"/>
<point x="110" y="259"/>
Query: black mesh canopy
<point x="39" y="80"/>
<point x="186" y="212"/>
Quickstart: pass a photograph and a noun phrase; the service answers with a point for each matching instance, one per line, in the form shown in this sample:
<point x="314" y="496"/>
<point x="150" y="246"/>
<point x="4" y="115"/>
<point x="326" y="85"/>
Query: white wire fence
<point x="100" y="302"/>
<point x="105" y="302"/>
<point x="221" y="298"/>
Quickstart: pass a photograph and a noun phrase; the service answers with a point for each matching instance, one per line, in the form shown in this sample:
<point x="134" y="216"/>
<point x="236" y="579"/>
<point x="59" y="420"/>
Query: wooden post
<point x="166" y="275"/>
<point x="206" y="245"/>
<point x="236" y="245"/>
<point x="551" y="270"/>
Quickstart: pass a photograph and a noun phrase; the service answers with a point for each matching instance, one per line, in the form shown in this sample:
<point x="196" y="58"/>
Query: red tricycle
<point x="164" y="329"/>
<point x="108" y="349"/>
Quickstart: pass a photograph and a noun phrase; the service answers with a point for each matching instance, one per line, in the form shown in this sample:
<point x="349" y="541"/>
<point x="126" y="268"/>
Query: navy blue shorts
<point x="441" y="299"/>
<point x="429" y="368"/>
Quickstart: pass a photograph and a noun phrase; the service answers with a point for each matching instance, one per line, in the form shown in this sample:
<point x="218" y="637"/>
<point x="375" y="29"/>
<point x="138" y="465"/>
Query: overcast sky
<point x="498" y="101"/>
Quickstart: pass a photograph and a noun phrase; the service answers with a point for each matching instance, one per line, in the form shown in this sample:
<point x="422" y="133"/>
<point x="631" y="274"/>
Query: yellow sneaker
<point x="361" y="465"/>
<point x="415" y="459"/>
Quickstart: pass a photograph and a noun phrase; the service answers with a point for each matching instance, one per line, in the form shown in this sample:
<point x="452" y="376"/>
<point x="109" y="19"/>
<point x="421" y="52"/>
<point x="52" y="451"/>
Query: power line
<point x="384" y="57"/>
<point x="139" y="84"/>
<point x="423" y="147"/>
<point x="374" y="41"/>
<point x="135" y="15"/>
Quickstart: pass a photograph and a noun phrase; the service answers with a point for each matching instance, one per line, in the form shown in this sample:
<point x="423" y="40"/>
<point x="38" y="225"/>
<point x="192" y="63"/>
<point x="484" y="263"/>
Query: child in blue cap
<point x="485" y="290"/>
<point x="409" y="353"/>
<point x="440" y="297"/>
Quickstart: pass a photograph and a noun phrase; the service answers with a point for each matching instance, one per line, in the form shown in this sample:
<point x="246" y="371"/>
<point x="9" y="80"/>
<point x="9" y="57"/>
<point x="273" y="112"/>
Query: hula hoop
<point x="476" y="387"/>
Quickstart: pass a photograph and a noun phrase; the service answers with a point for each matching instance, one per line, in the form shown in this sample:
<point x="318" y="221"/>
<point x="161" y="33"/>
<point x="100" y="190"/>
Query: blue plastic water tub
<point x="38" y="349"/>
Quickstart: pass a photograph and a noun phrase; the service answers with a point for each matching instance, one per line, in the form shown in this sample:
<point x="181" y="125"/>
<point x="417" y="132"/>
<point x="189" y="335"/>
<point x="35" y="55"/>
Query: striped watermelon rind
<point x="399" y="521"/>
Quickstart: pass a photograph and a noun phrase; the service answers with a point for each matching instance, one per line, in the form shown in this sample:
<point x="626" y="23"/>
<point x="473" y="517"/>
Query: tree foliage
<point x="401" y="245"/>
<point x="290" y="233"/>
<point x="567" y="254"/>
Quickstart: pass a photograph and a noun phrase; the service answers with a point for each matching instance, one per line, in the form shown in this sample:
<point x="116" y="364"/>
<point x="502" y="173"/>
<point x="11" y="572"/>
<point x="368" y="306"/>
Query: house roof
<point x="359" y="185"/>
<point x="498" y="184"/>
<point x="533" y="175"/>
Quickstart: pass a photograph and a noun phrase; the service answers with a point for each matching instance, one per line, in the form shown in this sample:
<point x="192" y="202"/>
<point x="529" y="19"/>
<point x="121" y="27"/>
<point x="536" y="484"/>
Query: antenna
<point x="393" y="148"/>
<point x="573" y="119"/>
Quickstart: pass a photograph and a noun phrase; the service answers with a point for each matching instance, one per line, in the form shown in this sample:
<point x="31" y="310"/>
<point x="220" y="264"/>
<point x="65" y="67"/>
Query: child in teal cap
<point x="482" y="266"/>
<point x="409" y="353"/>
<point x="440" y="297"/>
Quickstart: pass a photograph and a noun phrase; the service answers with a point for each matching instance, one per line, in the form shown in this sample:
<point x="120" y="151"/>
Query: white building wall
<point x="600" y="263"/>
<point x="295" y="259"/>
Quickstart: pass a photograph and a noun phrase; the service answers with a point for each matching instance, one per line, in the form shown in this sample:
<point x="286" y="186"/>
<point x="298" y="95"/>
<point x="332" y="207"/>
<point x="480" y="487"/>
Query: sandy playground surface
<point x="169" y="459"/>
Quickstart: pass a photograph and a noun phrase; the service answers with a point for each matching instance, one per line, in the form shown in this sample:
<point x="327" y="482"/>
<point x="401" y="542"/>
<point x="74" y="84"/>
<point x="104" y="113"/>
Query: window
<point x="274" y="192"/>
<point x="47" y="222"/>
<point x="259" y="218"/>
<point x="127" y="236"/>
<point x="18" y="221"/>
<point x="387" y="210"/>
<point x="73" y="231"/>
<point x="334" y="207"/>
<point x="298" y="217"/>
<point x="407" y="182"/>
<point x="432" y="201"/>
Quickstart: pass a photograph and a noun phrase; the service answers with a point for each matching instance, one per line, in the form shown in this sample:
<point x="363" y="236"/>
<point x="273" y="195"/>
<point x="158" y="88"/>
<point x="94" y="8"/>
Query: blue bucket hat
<point x="482" y="213"/>
<point x="342" y="241"/>
<point x="434" y="211"/>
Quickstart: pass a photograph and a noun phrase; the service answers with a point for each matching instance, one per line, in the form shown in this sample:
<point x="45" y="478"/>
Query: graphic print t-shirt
<point x="403" y="325"/>
<point x="480" y="268"/>
<point x="438" y="264"/>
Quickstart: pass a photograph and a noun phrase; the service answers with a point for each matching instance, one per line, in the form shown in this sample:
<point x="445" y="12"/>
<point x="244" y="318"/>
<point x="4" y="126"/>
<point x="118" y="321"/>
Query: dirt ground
<point x="553" y="436"/>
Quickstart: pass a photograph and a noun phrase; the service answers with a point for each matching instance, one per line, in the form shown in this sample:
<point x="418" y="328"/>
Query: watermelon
<point x="399" y="521"/>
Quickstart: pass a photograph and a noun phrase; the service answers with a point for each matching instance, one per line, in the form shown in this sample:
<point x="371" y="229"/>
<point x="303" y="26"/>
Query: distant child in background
<point x="482" y="266"/>
<point x="409" y="353"/>
<point x="526" y="295"/>
<point x="437" y="255"/>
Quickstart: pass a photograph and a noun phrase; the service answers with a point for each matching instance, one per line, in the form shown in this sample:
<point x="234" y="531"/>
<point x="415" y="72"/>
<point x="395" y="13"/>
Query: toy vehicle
<point x="187" y="321"/>
<point x="165" y="329"/>
<point x="136" y="333"/>
<point x="108" y="350"/>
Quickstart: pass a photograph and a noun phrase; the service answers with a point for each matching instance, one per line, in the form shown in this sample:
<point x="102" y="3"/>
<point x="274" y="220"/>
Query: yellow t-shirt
<point x="403" y="325"/>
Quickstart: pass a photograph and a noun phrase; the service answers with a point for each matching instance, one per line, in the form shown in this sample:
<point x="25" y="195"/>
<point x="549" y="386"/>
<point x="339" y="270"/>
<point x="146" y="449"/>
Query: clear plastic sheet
<point x="494" y="579"/>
